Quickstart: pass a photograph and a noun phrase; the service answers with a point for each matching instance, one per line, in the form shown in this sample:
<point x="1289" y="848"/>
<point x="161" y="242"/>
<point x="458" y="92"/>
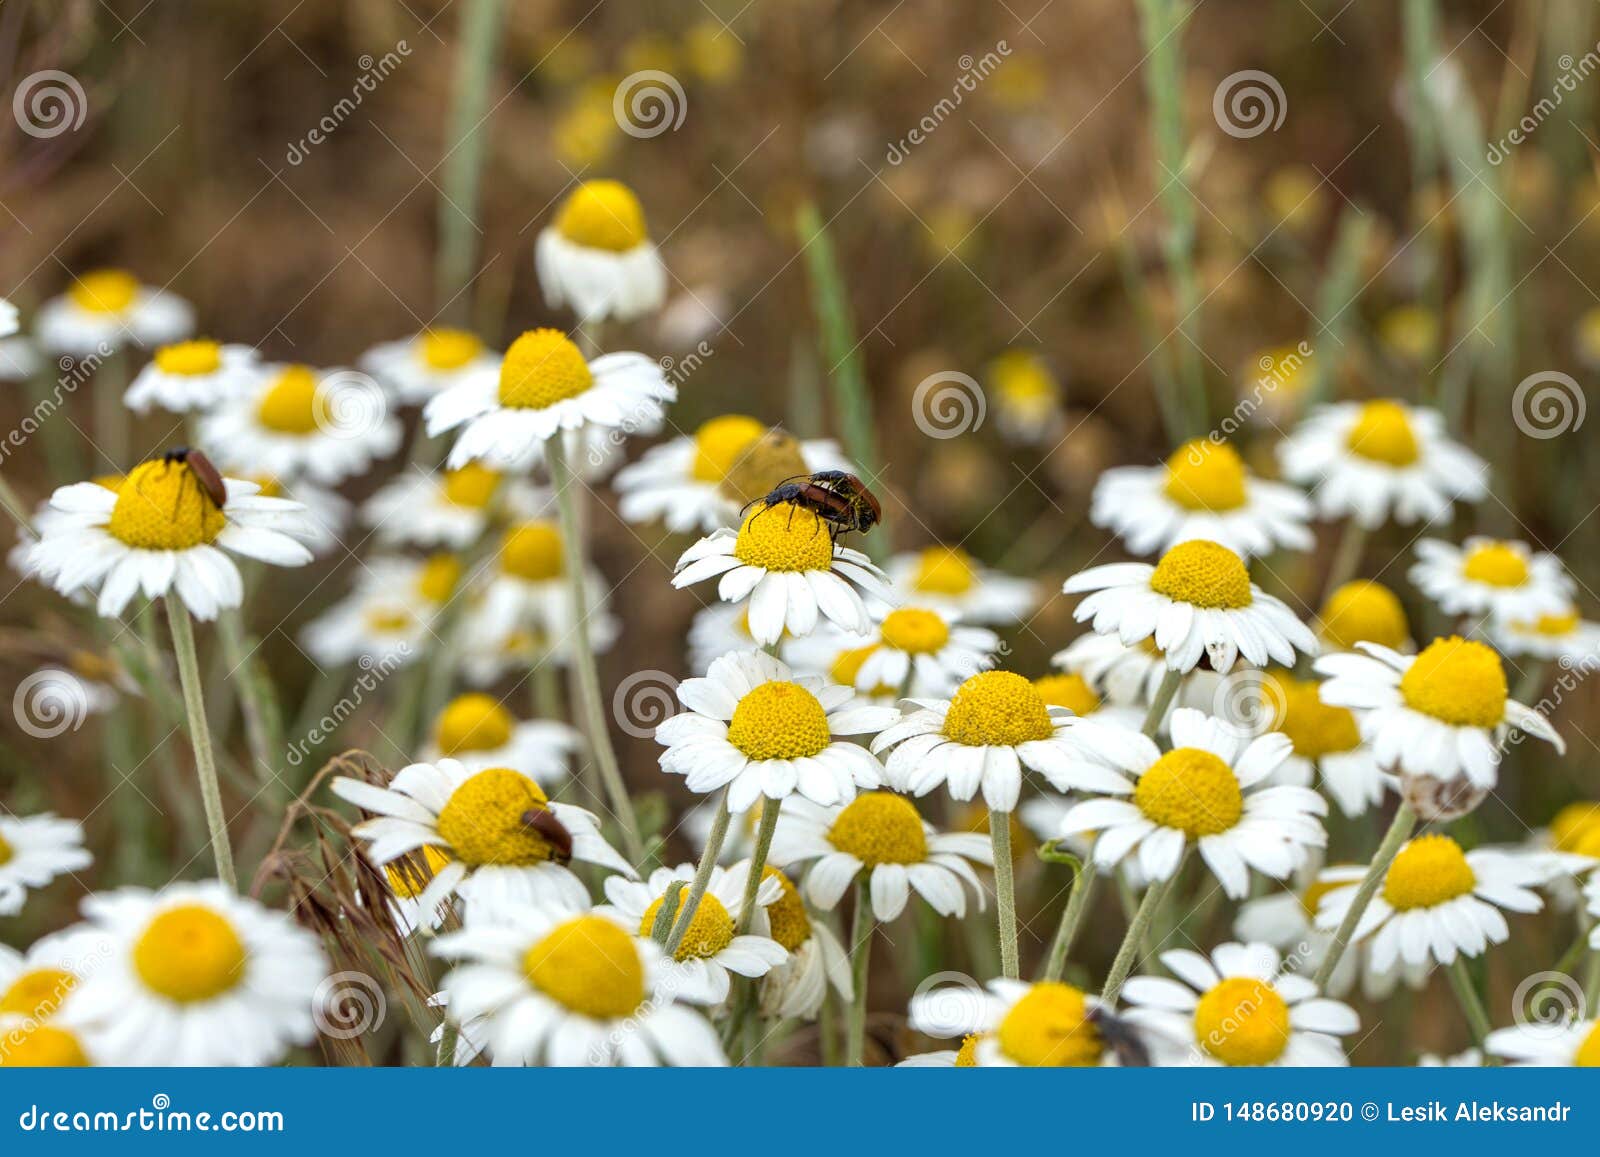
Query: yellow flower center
<point x="1021" y="376"/>
<point x="1568" y="830"/>
<point x="1550" y="626"/>
<point x="533" y="552"/>
<point x="880" y="828"/>
<point x="438" y="577"/>
<point x="541" y="368"/>
<point x="294" y="404"/>
<point x="779" y="720"/>
<point x="1496" y="564"/>
<point x="944" y="570"/>
<point x="388" y="620"/>
<point x="37" y="993"/>
<point x="1428" y="871"/>
<point x="1242" y="1021"/>
<point x="408" y="881"/>
<point x="472" y="486"/>
<point x="762" y="464"/>
<point x="784" y="538"/>
<point x="1206" y="475"/>
<point x="915" y="631"/>
<point x="189" y="358"/>
<point x="1311" y="898"/>
<point x="719" y="443"/>
<point x="1588" y="1054"/>
<point x="1191" y="790"/>
<point x="41" y="1046"/>
<point x="1364" y="612"/>
<point x="602" y="215"/>
<point x="473" y="722"/>
<point x="847" y="665"/>
<point x="590" y="966"/>
<point x="1070" y="691"/>
<point x="189" y="954"/>
<point x="163" y="506"/>
<point x="484" y="820"/>
<point x="997" y="709"/>
<point x="5" y="851"/>
<point x="791" y="924"/>
<point x="104" y="291"/>
<point x="708" y="933"/>
<point x="967" y="1054"/>
<point x="449" y="349"/>
<point x="1315" y="728"/>
<point x="1459" y="681"/>
<point x="1049" y="1025"/>
<point x="1205" y="574"/>
<point x="1383" y="433"/>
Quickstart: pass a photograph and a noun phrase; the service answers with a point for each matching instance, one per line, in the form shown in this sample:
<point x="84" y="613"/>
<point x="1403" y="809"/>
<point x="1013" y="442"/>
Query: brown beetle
<point x="552" y="831"/>
<point x="839" y="500"/>
<point x="204" y="471"/>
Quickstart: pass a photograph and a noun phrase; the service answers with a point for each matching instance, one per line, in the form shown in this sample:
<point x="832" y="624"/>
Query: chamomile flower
<point x="598" y="257"/>
<point x="1203" y="492"/>
<point x="387" y="620"/>
<point x="448" y="509"/>
<point x="107" y="309"/>
<point x="195" y="975"/>
<point x="785" y="562"/>
<point x="797" y="987"/>
<point x="546" y="982"/>
<point x="711" y="948"/>
<point x="476" y="730"/>
<point x="29" y="1043"/>
<point x="542" y="386"/>
<point x="1438" y="714"/>
<point x="947" y="578"/>
<point x="1373" y="461"/>
<point x="1027" y="396"/>
<point x="489" y="649"/>
<point x="1238" y="1009"/>
<point x="1363" y="611"/>
<point x="1438" y="902"/>
<point x="880" y="834"/>
<point x="193" y="376"/>
<point x="8" y="318"/>
<point x="159" y="532"/>
<point x="327" y="512"/>
<point x="1574" y="1045"/>
<point x="34" y="987"/>
<point x="1197" y="602"/>
<point x="1493" y="577"/>
<point x="34" y="850"/>
<point x="528" y="588"/>
<point x="754" y="727"/>
<point x="416" y="368"/>
<point x="1048" y="1024"/>
<point x="1565" y="636"/>
<point x="1327" y="744"/>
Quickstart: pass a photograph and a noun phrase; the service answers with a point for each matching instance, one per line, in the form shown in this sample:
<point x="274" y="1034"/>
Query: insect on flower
<point x="840" y="500"/>
<point x="552" y="830"/>
<point x="205" y="473"/>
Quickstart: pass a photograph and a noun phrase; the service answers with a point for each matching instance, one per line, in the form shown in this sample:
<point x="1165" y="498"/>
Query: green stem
<point x="861" y="927"/>
<point x="1005" y="889"/>
<point x="255" y="701"/>
<point x="758" y="862"/>
<point x="200" y="737"/>
<point x="1399" y="830"/>
<point x="1471" y="1003"/>
<point x="1071" y="920"/>
<point x="1142" y="919"/>
<point x="447" y="1044"/>
<point x="111" y="417"/>
<point x="1170" y="682"/>
<point x="702" y="875"/>
<point x="1347" y="558"/>
<point x="463" y="164"/>
<point x="12" y="501"/>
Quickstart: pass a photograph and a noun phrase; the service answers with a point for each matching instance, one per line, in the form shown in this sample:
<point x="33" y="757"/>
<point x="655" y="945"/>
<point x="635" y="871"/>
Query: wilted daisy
<point x="1027" y="396"/>
<point x="1372" y="461"/>
<point x="544" y="982"/>
<point x="416" y="368"/>
<point x="1438" y="902"/>
<point x="754" y="727"/>
<point x="1565" y="636"/>
<point x="881" y="835"/>
<point x="159" y="532"/>
<point x="1197" y="602"/>
<point x="193" y="375"/>
<point x="450" y="508"/>
<point x="784" y="561"/>
<point x="948" y="578"/>
<point x="1327" y="744"/>
<point x="542" y="386"/>
<point x="34" y="850"/>
<point x="387" y="619"/>
<point x="598" y="256"/>
<point x="497" y="826"/>
<point x="1237" y="1008"/>
<point x="797" y="987"/>
<point x="711" y="947"/>
<point x="1574" y="1045"/>
<point x="476" y="730"/>
<point x="108" y="308"/>
<point x="1439" y="714"/>
<point x="1487" y="576"/>
<point x="1048" y="1024"/>
<point x="1363" y="611"/>
<point x="195" y="975"/>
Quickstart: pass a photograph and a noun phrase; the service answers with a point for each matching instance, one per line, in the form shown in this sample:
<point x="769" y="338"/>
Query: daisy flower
<point x="785" y="562"/>
<point x="8" y="318"/>
<point x="542" y="386"/>
<point x="34" y="986"/>
<point x="1048" y="1024"/>
<point x="1203" y="492"/>
<point x="754" y="727"/>
<point x="497" y="826"/>
<point x="1547" y="1045"/>
<point x="195" y="975"/>
<point x="449" y="509"/>
<point x="1327" y="743"/>
<point x="947" y="578"/>
<point x="477" y="731"/>
<point x="1210" y="792"/>
<point x="327" y="512"/>
<point x="1440" y="714"/>
<point x="1565" y="636"/>
<point x="416" y="368"/>
<point x="1437" y="902"/>
<point x="1027" y="396"/>
<point x="797" y="987"/>
<point x="711" y="948"/>
<point x="1487" y="576"/>
<point x="529" y="587"/>
<point x="1238" y="1009"/>
<point x="545" y="982"/>
<point x="300" y="422"/>
<point x="34" y="850"/>
<point x="1198" y="601"/>
<point x="1372" y="461"/>
<point x="28" y="1043"/>
<point x="926" y="651"/>
<point x="193" y="375"/>
<point x="598" y="256"/>
<point x="160" y="531"/>
<point x="1363" y="611"/>
<point x="108" y="309"/>
<point x="880" y="834"/>
<point x="489" y="648"/>
<point x="387" y="619"/>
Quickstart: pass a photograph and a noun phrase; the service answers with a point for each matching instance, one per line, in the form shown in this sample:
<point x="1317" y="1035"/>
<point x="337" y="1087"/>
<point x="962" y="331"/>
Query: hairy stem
<point x="205" y="764"/>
